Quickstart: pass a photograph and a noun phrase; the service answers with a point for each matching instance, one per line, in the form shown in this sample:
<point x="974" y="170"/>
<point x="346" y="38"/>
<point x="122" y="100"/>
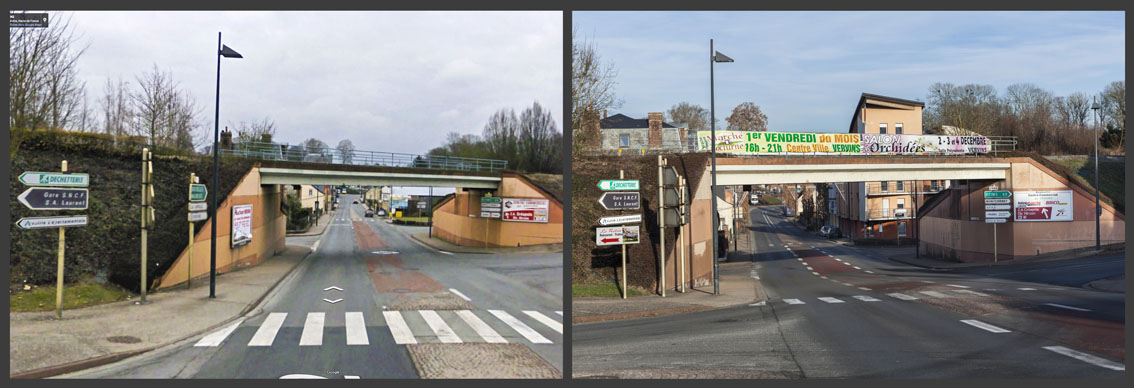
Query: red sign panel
<point x="1033" y="213"/>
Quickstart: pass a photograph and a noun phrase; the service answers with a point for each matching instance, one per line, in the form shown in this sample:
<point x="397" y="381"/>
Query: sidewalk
<point x="316" y="230"/>
<point x="41" y="346"/>
<point x="907" y="255"/>
<point x="446" y="246"/>
<point x="737" y="288"/>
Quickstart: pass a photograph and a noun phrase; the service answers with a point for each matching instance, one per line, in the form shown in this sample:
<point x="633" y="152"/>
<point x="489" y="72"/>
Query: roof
<point x="624" y="121"/>
<point x="862" y="100"/>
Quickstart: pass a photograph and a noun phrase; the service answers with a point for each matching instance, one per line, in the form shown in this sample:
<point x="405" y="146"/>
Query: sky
<point x="388" y="81"/>
<point x="807" y="70"/>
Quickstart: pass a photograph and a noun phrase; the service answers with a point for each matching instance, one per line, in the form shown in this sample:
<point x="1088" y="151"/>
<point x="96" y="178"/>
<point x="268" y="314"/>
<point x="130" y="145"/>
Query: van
<point x="753" y="200"/>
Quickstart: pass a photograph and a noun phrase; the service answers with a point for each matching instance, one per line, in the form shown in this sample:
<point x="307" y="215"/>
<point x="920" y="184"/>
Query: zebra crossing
<point x="895" y="295"/>
<point x="405" y="327"/>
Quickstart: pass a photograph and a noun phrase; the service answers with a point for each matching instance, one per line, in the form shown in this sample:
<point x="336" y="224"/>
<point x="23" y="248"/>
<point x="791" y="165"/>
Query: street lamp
<point x="1098" y="240"/>
<point x="222" y="51"/>
<point x="714" y="57"/>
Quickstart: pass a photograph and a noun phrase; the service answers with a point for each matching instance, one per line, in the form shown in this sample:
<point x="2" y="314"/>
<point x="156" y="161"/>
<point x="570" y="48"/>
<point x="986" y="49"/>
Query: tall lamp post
<point x="1098" y="211"/>
<point x="714" y="57"/>
<point x="222" y="51"/>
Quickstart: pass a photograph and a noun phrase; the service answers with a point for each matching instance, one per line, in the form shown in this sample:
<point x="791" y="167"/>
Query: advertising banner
<point x="1048" y="205"/>
<point x="525" y="210"/>
<point x="241" y="225"/>
<point x="923" y="144"/>
<point x="743" y="142"/>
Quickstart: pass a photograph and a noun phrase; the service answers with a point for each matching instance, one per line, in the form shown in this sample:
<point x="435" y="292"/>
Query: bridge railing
<point x="294" y="153"/>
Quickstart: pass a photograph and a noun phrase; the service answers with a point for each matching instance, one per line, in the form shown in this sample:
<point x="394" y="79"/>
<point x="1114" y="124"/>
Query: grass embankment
<point x="601" y="290"/>
<point x="1112" y="175"/>
<point x="770" y="201"/>
<point x="42" y="298"/>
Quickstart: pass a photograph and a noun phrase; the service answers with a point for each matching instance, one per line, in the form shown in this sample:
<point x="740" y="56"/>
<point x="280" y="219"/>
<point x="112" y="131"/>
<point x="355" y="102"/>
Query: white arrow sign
<point x="332" y="288"/>
<point x="333" y="301"/>
<point x="618" y="220"/>
<point x="997" y="207"/>
<point x="198" y="206"/>
<point x="997" y="214"/>
<point x="198" y="216"/>
<point x="51" y="222"/>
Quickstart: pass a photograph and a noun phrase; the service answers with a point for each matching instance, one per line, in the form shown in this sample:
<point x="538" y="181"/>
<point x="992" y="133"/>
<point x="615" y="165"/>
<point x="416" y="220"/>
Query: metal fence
<point x="297" y="153"/>
<point x="905" y="187"/>
<point x="889" y="214"/>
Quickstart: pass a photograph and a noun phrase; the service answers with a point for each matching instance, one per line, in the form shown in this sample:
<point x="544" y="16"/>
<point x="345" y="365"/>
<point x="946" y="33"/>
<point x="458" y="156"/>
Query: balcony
<point x="892" y="188"/>
<point x="889" y="214"/>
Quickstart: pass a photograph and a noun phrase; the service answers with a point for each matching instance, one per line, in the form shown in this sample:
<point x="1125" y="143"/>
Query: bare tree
<point x="43" y="86"/>
<point x="260" y="131"/>
<point x="152" y="104"/>
<point x="691" y="116"/>
<point x="592" y="86"/>
<point x="316" y="146"/>
<point x="501" y="134"/>
<point x="539" y="142"/>
<point x="1113" y="113"/>
<point x="346" y="149"/>
<point x="972" y="107"/>
<point x="116" y="109"/>
<point x="747" y="117"/>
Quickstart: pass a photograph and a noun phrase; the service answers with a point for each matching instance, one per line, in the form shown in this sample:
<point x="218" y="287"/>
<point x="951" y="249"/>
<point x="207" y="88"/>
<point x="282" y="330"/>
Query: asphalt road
<point x="835" y="311"/>
<point x="365" y="294"/>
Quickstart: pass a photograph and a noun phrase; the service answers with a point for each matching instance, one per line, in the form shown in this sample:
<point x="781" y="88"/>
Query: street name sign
<point x="617" y="235"/>
<point x="997" y="207"/>
<point x="989" y="201"/>
<point x="618" y="185"/>
<point x="52" y="198"/>
<point x="618" y="220"/>
<point x="997" y="214"/>
<point x="197" y="192"/>
<point x="998" y="194"/>
<point x="198" y="216"/>
<point x="35" y="178"/>
<point x="51" y="222"/>
<point x="198" y="206"/>
<point x="995" y="220"/>
<point x="621" y="201"/>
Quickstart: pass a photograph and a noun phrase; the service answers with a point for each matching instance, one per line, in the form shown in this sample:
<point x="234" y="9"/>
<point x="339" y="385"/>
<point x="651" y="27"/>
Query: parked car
<point x="355" y="201"/>
<point x="754" y="200"/>
<point x="830" y="231"/>
<point x="369" y="213"/>
<point x="381" y="212"/>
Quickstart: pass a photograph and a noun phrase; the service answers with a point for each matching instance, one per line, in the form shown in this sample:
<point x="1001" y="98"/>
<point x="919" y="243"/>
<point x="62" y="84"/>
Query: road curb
<point x="80" y="365"/>
<point x="650" y="313"/>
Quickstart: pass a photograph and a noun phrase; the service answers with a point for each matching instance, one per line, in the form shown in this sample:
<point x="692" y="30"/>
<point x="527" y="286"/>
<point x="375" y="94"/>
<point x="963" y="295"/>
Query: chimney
<point x="590" y="126"/>
<point x="655" y="129"/>
<point x="226" y="139"/>
<point x="604" y="114"/>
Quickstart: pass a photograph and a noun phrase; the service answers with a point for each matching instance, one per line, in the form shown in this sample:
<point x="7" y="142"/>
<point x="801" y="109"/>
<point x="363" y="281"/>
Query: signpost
<point x="54" y="198"/>
<point x="995" y="202"/>
<point x="618" y="185"/>
<point x="621" y="201"/>
<point x="147" y="210"/>
<point x="619" y="220"/>
<point x="197" y="192"/>
<point x="490" y="207"/>
<point x="617" y="235"/>
<point x="198" y="206"/>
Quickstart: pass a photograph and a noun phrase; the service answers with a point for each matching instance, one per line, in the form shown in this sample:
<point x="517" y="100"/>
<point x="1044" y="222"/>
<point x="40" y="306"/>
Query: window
<point x="901" y="186"/>
<point x="310" y="191"/>
<point x="885" y="186"/>
<point x="624" y="141"/>
<point x="898" y="128"/>
<point x="882" y="128"/>
<point x="901" y="203"/>
<point x="902" y="229"/>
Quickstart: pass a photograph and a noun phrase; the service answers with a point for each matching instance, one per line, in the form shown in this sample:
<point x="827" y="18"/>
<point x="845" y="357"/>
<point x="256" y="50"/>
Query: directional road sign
<point x="997" y="207"/>
<point x="51" y="222"/>
<point x="34" y="178"/>
<point x="621" y="201"/>
<point x="995" y="220"/>
<point x="197" y="192"/>
<point x="619" y="220"/>
<point x="52" y="198"/>
<point x="989" y="201"/>
<point x="618" y="185"/>
<point x="998" y="194"/>
<point x="198" y="216"/>
<point x="617" y="235"/>
<point x="198" y="206"/>
<point x="997" y="214"/>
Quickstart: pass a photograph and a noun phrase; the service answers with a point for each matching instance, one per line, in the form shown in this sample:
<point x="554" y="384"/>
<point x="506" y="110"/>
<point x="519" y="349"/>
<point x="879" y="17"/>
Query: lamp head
<point x="721" y="58"/>
<point x="229" y="53"/>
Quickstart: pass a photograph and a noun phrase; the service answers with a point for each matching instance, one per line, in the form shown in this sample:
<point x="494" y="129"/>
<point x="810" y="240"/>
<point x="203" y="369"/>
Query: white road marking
<point x="482" y="329"/>
<point x="771" y="245"/>
<point x="935" y="294"/>
<point x="957" y="285"/>
<point x="815" y="273"/>
<point x="1026" y="289"/>
<point x="356" y="329"/>
<point x="866" y="298"/>
<point x="520" y="327"/>
<point x="800" y="259"/>
<point x="215" y="338"/>
<point x="822" y="277"/>
<point x="856" y="267"/>
<point x="1097" y="361"/>
<point x="927" y="281"/>
<point x="398" y="328"/>
<point x="560" y="313"/>
<point x="869" y="271"/>
<point x="761" y="303"/>
<point x="984" y="326"/>
<point x="1067" y="307"/>
<point x="830" y="300"/>
<point x="553" y="324"/>
<point x="316" y="246"/>
<point x="454" y="290"/>
<point x="351" y="377"/>
<point x="266" y="334"/>
<point x="864" y="288"/>
<point x="447" y="253"/>
<point x="971" y="292"/>
<point x="312" y="330"/>
<point x="793" y="301"/>
<point x="332" y="301"/>
<point x="808" y="267"/>
<point x="443" y="331"/>
<point x="901" y="296"/>
<point x="332" y="288"/>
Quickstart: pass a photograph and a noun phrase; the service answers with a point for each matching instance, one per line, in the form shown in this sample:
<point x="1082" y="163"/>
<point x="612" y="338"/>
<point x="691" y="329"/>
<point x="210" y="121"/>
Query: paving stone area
<point x="429" y="301"/>
<point x="479" y="361"/>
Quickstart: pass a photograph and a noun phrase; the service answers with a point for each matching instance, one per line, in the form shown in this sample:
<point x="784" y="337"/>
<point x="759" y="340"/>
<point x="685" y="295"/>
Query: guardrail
<point x="294" y="153"/>
<point x="889" y="214"/>
<point x="902" y="187"/>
